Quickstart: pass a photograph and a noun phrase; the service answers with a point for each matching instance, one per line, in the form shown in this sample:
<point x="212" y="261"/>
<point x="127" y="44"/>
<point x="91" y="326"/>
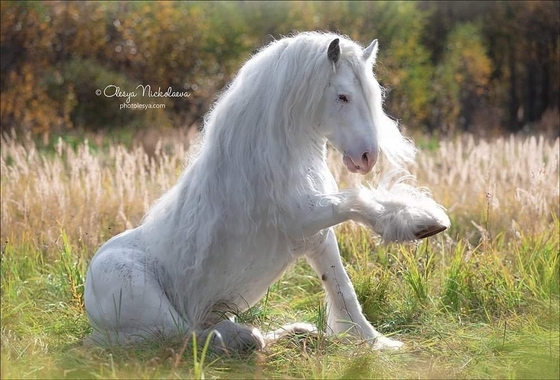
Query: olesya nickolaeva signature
<point x="112" y="90"/>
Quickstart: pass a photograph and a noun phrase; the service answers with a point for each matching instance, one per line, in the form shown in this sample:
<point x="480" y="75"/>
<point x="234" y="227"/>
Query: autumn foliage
<point x="483" y="67"/>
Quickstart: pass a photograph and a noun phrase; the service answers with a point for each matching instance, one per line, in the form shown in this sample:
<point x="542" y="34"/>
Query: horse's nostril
<point x="365" y="157"/>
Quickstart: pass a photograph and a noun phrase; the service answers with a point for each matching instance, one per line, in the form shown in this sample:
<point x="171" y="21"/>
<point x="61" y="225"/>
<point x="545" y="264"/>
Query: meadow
<point x="480" y="300"/>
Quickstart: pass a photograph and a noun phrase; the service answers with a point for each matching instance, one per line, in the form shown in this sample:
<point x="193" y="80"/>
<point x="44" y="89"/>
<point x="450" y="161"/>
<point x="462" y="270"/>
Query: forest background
<point x="447" y="67"/>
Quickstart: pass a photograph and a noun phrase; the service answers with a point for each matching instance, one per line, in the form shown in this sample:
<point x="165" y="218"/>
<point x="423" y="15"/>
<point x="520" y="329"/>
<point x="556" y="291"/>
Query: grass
<point x="478" y="301"/>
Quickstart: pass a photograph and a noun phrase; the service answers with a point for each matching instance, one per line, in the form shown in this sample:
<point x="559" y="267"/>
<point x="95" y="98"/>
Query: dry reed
<point x="508" y="185"/>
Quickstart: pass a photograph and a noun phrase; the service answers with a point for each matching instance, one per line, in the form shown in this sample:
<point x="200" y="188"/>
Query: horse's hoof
<point x="291" y="330"/>
<point x="384" y="343"/>
<point x="430" y="231"/>
<point x="229" y="337"/>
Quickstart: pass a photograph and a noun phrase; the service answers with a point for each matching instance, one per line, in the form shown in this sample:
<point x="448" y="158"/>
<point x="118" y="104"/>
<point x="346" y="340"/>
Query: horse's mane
<point x="259" y="142"/>
<point x="272" y="95"/>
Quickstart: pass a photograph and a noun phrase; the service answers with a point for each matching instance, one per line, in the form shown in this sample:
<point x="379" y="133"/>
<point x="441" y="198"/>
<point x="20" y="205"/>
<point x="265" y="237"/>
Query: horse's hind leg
<point x="298" y="328"/>
<point x="125" y="303"/>
<point x="227" y="336"/>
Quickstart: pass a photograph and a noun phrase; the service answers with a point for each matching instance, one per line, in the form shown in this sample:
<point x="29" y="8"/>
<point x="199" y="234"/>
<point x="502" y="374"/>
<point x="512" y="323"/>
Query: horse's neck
<point x="273" y="176"/>
<point x="260" y="154"/>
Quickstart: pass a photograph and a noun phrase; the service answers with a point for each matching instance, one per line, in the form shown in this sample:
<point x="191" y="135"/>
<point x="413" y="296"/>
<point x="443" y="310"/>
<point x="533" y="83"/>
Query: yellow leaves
<point x="26" y="100"/>
<point x="198" y="46"/>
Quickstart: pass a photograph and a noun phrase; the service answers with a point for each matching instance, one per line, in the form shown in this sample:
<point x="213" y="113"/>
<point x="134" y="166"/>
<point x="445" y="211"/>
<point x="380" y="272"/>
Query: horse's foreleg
<point x="344" y="311"/>
<point x="394" y="217"/>
<point x="399" y="215"/>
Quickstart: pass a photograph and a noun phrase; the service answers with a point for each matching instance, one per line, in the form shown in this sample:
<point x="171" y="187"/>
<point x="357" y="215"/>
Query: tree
<point x="461" y="79"/>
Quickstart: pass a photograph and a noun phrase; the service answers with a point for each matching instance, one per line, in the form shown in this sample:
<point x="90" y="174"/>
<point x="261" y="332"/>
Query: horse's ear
<point x="334" y="50"/>
<point x="370" y="53"/>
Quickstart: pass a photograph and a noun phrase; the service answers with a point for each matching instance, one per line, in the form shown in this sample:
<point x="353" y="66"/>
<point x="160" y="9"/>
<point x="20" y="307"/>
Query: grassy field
<point x="478" y="301"/>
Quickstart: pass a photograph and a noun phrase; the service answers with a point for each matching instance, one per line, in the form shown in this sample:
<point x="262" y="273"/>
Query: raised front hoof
<point x="430" y="231"/>
<point x="384" y="343"/>
<point x="405" y="214"/>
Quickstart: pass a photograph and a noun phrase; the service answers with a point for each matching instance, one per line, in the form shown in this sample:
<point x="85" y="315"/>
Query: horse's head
<point x="350" y="121"/>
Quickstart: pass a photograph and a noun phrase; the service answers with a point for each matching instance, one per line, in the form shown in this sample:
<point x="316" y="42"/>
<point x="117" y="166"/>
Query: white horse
<point x="258" y="196"/>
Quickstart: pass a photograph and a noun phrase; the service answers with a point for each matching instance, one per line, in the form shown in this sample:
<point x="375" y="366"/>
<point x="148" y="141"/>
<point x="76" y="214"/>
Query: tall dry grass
<point x="89" y="194"/>
<point x="508" y="186"/>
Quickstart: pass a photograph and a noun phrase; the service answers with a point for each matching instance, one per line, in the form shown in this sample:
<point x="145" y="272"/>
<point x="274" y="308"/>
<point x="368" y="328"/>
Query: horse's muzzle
<point x="362" y="164"/>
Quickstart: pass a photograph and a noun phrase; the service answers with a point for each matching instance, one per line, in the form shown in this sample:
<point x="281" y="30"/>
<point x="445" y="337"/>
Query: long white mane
<point x="259" y="145"/>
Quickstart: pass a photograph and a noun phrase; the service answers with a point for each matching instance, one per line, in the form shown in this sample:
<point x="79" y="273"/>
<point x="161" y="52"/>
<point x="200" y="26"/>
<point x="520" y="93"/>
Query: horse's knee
<point x="227" y="336"/>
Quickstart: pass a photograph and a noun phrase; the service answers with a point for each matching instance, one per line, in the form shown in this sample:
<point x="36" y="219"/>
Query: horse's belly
<point x="244" y="275"/>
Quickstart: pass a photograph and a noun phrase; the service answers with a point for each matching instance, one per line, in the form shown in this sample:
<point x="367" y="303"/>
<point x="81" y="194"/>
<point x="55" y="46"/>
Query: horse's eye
<point x="343" y="98"/>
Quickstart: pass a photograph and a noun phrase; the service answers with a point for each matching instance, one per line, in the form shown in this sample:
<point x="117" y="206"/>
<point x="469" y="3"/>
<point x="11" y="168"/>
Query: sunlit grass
<point x="478" y="301"/>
